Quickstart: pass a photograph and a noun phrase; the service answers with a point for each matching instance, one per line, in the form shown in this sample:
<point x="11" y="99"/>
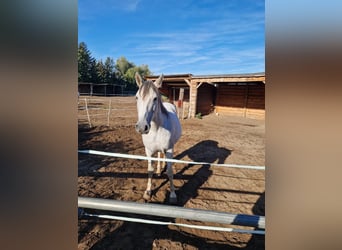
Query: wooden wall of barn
<point x="247" y="100"/>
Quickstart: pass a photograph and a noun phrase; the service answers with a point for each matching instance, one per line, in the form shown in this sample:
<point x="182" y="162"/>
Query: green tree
<point x="130" y="73"/>
<point x="105" y="71"/>
<point x="122" y="72"/>
<point x="121" y="66"/>
<point x="100" y="72"/>
<point x="109" y="67"/>
<point x="144" y="70"/>
<point x="86" y="64"/>
<point x="130" y="80"/>
<point x="93" y="72"/>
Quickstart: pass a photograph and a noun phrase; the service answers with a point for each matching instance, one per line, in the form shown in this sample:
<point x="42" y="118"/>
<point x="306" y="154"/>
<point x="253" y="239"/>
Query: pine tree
<point x="86" y="64"/>
<point x="109" y="67"/>
<point x="100" y="72"/>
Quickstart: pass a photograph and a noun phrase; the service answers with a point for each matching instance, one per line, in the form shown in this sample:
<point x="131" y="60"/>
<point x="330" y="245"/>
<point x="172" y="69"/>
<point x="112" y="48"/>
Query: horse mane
<point x="144" y="90"/>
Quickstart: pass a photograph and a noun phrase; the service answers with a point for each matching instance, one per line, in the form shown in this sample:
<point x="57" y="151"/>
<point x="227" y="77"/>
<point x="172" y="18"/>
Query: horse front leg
<point x="169" y="171"/>
<point x="150" y="170"/>
<point x="159" y="163"/>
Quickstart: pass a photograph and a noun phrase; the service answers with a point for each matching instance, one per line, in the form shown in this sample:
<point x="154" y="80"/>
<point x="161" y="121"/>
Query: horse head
<point x="148" y="102"/>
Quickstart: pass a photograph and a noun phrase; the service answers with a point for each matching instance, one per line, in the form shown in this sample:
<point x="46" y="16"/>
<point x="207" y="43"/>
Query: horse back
<point x="170" y="107"/>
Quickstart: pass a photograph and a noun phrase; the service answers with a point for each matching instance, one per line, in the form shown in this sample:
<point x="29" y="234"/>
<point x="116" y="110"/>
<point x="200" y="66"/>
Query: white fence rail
<point x="174" y="212"/>
<point x="96" y="107"/>
<point x="140" y="157"/>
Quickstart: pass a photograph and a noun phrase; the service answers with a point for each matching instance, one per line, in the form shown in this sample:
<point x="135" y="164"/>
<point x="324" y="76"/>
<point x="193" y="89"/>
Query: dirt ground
<point x="212" y="139"/>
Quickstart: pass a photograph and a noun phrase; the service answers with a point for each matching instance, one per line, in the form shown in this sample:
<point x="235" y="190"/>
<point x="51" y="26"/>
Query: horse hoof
<point x="173" y="200"/>
<point x="147" y="195"/>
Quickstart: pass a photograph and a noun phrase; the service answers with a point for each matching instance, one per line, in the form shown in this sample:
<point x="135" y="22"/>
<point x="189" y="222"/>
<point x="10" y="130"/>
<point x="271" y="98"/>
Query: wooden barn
<point x="229" y="94"/>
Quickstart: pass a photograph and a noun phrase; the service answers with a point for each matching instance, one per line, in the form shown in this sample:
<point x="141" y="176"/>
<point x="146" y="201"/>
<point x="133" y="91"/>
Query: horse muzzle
<point x="142" y="128"/>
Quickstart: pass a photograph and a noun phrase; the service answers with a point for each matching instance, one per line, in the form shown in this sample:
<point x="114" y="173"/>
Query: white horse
<point x="160" y="128"/>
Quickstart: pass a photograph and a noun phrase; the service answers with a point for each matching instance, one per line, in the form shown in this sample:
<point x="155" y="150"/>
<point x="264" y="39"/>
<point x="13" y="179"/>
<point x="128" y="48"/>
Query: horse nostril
<point x="146" y="128"/>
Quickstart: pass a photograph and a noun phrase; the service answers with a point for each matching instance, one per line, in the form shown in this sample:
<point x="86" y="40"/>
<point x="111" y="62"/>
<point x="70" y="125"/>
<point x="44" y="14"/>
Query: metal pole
<point x="172" y="212"/>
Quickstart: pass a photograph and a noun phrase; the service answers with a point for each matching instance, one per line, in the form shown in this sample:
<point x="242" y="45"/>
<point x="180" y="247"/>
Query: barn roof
<point x="174" y="77"/>
<point x="177" y="79"/>
<point x="230" y="75"/>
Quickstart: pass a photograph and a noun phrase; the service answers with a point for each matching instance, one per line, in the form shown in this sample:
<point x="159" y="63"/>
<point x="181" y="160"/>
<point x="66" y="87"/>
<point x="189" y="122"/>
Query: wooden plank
<point x="231" y="102"/>
<point x="229" y="79"/>
<point x="229" y="109"/>
<point x="249" y="113"/>
<point x="256" y="98"/>
<point x="255" y="113"/>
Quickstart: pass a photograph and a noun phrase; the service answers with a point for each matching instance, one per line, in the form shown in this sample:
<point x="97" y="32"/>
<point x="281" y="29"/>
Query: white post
<point x="110" y="103"/>
<point x="86" y="105"/>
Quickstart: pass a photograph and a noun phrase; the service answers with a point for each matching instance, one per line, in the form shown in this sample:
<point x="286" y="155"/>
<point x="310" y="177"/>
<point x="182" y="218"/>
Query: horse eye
<point x="155" y="99"/>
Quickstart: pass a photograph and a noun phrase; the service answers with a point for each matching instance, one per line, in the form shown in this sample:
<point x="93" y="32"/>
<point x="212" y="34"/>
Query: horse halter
<point x="147" y="105"/>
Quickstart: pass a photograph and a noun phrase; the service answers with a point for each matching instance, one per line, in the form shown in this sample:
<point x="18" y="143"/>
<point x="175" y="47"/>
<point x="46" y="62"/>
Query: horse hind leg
<point x="169" y="171"/>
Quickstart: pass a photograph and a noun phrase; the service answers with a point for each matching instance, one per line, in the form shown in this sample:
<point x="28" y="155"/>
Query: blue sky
<point x="177" y="36"/>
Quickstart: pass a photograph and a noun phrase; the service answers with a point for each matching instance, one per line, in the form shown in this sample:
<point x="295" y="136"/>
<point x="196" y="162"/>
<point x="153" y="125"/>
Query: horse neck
<point x="159" y="115"/>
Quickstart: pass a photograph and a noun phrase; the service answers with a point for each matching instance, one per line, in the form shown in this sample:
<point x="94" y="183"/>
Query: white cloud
<point x="126" y="5"/>
<point x="90" y="9"/>
<point x="221" y="44"/>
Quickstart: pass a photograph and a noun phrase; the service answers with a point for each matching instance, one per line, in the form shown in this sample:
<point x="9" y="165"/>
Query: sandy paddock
<point x="219" y="139"/>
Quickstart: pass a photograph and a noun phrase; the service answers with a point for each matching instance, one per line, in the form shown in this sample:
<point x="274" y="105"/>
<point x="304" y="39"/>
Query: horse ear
<point x="138" y="79"/>
<point x="159" y="81"/>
